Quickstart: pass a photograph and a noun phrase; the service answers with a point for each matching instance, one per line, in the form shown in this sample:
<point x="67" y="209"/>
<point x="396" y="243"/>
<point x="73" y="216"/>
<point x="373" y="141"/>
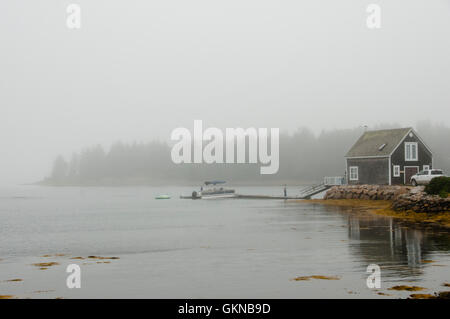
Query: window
<point x="437" y="172"/>
<point x="426" y="167"/>
<point x="411" y="151"/>
<point x="396" y="170"/>
<point x="354" y="173"/>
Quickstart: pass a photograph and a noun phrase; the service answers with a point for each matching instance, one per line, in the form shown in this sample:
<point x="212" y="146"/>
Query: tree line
<point x="305" y="157"/>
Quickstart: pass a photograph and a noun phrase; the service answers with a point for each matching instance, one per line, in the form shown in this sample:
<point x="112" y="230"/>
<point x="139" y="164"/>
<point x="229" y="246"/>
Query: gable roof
<point x="371" y="142"/>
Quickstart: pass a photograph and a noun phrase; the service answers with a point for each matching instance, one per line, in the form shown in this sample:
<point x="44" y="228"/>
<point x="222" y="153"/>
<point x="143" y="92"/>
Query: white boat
<point x="211" y="191"/>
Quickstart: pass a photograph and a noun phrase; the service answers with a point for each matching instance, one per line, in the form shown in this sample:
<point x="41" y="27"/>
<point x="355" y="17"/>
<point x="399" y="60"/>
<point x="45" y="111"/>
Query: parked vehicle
<point x="425" y="176"/>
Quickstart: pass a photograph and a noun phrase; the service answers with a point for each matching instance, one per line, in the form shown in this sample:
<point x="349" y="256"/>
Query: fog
<point x="136" y="70"/>
<point x="304" y="158"/>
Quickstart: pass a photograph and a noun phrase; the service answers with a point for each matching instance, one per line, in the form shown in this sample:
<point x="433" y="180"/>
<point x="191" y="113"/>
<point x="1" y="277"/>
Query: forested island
<point x="304" y="158"/>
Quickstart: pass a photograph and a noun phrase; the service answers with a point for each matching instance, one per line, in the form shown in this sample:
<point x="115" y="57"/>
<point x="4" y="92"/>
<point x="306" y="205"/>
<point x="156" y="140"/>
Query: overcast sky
<point x="138" y="69"/>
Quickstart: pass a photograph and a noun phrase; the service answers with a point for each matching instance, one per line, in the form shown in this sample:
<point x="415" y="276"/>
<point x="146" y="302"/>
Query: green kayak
<point x="162" y="197"/>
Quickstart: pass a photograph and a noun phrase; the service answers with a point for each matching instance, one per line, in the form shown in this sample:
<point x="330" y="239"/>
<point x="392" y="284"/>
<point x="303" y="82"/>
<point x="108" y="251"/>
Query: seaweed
<point x="407" y="288"/>
<point x="45" y="265"/>
<point x="304" y="278"/>
<point x="383" y="294"/>
<point x="384" y="208"/>
<point x="14" y="280"/>
<point x="422" y="296"/>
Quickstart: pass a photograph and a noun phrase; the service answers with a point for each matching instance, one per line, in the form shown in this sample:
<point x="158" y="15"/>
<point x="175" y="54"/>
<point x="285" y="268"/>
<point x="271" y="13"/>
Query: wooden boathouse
<point x="387" y="157"/>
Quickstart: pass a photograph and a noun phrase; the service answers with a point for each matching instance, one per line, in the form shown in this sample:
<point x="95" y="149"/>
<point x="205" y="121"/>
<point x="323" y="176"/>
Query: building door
<point x="409" y="172"/>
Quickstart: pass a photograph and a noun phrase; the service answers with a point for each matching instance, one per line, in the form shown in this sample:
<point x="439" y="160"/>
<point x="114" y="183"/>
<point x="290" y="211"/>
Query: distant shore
<point x="292" y="185"/>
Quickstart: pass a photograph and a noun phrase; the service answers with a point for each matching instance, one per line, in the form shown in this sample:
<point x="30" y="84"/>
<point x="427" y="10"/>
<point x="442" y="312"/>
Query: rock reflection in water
<point x="397" y="247"/>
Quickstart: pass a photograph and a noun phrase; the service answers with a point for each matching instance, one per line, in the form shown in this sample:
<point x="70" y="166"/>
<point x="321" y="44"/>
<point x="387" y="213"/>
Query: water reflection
<point x="400" y="248"/>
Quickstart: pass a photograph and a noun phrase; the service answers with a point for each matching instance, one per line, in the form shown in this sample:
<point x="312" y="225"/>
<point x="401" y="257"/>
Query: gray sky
<point x="138" y="69"/>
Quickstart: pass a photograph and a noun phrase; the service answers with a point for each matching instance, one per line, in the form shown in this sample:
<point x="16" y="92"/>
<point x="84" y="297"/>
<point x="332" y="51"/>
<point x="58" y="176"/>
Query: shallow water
<point x="230" y="248"/>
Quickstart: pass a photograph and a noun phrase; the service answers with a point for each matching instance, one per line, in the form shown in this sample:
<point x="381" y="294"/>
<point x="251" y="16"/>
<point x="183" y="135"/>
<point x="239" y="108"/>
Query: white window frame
<point x="350" y="175"/>
<point x="410" y="145"/>
<point x="426" y="167"/>
<point x="396" y="171"/>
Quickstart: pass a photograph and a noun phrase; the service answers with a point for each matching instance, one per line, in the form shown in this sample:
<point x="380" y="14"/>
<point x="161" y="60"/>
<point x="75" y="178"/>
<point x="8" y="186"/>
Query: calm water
<point x="206" y="248"/>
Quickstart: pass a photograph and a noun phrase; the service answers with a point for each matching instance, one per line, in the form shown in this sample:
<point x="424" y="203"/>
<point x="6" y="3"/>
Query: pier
<point x="305" y="193"/>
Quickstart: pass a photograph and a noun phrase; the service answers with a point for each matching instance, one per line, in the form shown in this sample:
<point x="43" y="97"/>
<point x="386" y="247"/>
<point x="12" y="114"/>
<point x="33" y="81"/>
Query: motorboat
<point x="212" y="189"/>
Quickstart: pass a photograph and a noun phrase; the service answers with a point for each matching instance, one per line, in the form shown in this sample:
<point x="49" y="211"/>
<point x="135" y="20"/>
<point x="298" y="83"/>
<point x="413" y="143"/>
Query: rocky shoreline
<point x="403" y="198"/>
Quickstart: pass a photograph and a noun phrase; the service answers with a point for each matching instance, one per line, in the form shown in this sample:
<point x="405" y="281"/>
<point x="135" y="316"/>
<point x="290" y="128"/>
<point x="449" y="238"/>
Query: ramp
<point x="313" y="190"/>
<point x="328" y="182"/>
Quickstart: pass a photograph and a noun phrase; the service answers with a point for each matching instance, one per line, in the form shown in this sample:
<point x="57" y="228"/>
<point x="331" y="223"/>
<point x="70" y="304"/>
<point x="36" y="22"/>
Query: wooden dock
<point x="264" y="197"/>
<point x="305" y="193"/>
<point x="243" y="196"/>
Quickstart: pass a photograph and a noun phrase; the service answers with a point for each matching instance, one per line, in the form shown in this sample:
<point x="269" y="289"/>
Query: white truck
<point x="425" y="176"/>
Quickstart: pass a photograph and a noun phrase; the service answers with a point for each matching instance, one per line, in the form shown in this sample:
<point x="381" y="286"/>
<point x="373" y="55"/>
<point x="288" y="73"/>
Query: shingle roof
<point x="371" y="142"/>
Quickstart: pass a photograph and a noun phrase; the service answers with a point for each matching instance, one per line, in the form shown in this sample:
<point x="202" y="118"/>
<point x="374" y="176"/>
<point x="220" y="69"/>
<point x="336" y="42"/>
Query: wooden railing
<point x="334" y="180"/>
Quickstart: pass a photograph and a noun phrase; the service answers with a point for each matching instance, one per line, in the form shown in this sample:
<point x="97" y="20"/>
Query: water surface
<point x="230" y="248"/>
